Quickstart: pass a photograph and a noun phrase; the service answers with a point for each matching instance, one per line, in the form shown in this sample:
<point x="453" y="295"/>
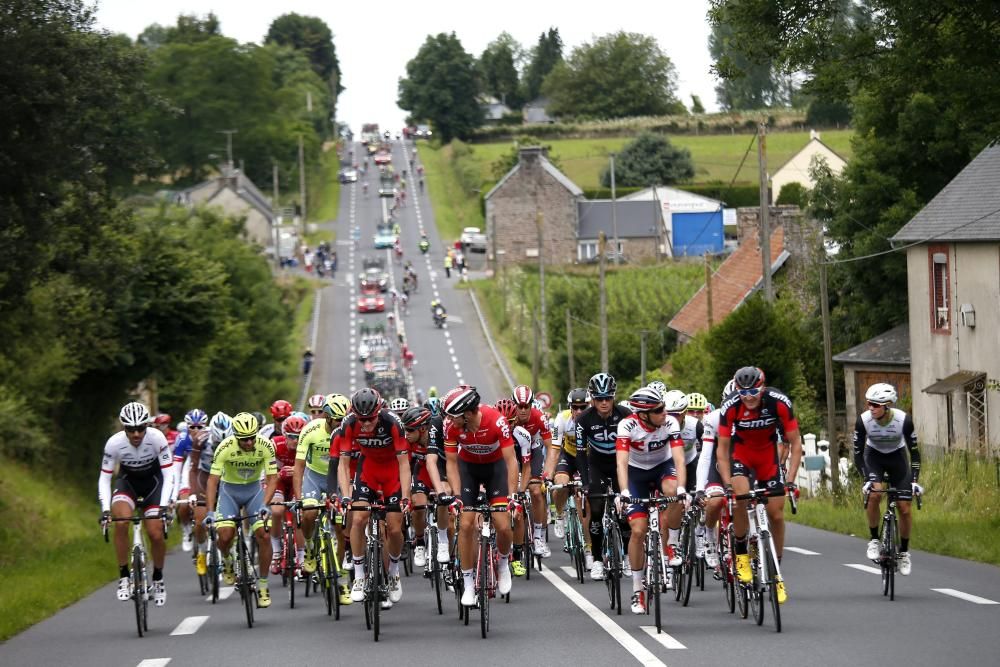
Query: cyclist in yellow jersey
<point x="240" y="463"/>
<point x="562" y="460"/>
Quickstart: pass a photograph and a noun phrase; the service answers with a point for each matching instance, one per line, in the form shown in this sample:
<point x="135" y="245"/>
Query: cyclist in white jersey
<point x="708" y="487"/>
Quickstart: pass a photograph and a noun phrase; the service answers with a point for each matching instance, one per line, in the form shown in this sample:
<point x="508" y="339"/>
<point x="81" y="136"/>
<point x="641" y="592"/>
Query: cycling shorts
<point x="761" y="465"/>
<point x="691" y="474"/>
<point x="142" y="492"/>
<point x="567" y="464"/>
<point x="373" y="478"/>
<point x="492" y="476"/>
<point x="313" y="487"/>
<point x="234" y="496"/>
<point x="284" y="491"/>
<point x="896" y="465"/>
<point x="643" y="483"/>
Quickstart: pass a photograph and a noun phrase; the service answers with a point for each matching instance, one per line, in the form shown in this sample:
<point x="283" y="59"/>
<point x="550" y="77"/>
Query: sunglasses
<point x="603" y="399"/>
<point x="750" y="392"/>
<point x="317" y="411"/>
<point x="876" y="405"/>
<point x="135" y="429"/>
<point x="657" y="411"/>
<point x="524" y="406"/>
<point x="367" y="419"/>
<point x="196" y="427"/>
<point x="578" y="407"/>
<point x="412" y="429"/>
<point x="292" y="436"/>
<point x="250" y="439"/>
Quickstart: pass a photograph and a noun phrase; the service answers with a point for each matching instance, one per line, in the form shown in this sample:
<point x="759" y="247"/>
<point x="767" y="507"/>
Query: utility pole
<point x="614" y="210"/>
<point x="534" y="357"/>
<point x="302" y="184"/>
<point x="708" y="289"/>
<point x="642" y="357"/>
<point x="493" y="241"/>
<point x="569" y="349"/>
<point x="765" y="204"/>
<point x="275" y="234"/>
<point x="541" y="288"/>
<point x="831" y="426"/>
<point x="602" y="242"/>
<point x="229" y="147"/>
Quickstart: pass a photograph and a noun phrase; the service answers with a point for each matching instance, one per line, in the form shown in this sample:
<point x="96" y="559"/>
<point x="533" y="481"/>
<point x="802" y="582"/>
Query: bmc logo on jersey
<point x="750" y="424"/>
<point x="374" y="442"/>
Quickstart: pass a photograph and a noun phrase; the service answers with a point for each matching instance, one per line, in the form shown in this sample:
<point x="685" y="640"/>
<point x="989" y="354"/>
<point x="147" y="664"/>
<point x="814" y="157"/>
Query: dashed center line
<point x="804" y="552"/>
<point x="155" y="662"/>
<point x="968" y="597"/>
<point x="864" y="568"/>
<point x="189" y="625"/>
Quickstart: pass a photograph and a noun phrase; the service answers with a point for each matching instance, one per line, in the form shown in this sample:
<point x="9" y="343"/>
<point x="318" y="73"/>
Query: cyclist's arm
<point x="722" y="447"/>
<point x="270" y="485"/>
<point x="511" y="461"/>
<point x="167" y="495"/>
<point x="582" y="461"/>
<point x="794" y="438"/>
<point x="621" y="461"/>
<point x="860" y="438"/>
<point x="910" y="435"/>
<point x="451" y="465"/>
<point x="344" y="476"/>
<point x="195" y="457"/>
<point x="270" y="472"/>
<point x="104" y="480"/>
<point x="300" y="468"/>
<point x="680" y="468"/>
<point x="211" y="491"/>
<point x="403" y="460"/>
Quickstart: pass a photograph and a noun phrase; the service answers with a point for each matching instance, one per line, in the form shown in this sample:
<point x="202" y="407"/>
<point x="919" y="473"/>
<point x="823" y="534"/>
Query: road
<point x="836" y="614"/>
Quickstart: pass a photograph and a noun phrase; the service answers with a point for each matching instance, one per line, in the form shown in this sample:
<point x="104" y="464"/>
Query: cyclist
<point x="536" y="424"/>
<point x="219" y="428"/>
<point x="162" y="424"/>
<point x="284" y="451"/>
<point x="692" y="433"/>
<point x="747" y="445"/>
<point x="145" y="478"/>
<point x="280" y="411"/>
<point x="524" y="444"/>
<point x="480" y="450"/>
<point x="424" y="244"/>
<point x="398" y="406"/>
<point x="241" y="463"/>
<point x="563" y="453"/>
<point x="650" y="459"/>
<point x="377" y="434"/>
<point x="437" y="470"/>
<point x="882" y="436"/>
<point x="196" y="422"/>
<point x="596" y="432"/>
<point x="315" y="406"/>
<point x="709" y="484"/>
<point x="676" y="403"/>
<point x="416" y="426"/>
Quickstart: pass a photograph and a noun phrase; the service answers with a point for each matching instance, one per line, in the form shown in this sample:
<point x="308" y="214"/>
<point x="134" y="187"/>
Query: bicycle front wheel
<point x="654" y="577"/>
<point x="244" y="582"/>
<point x="139" y="590"/>
<point x="772" y="589"/>
<point x="613" y="572"/>
<point x="888" y="558"/>
<point x="483" y="584"/>
<point x="329" y="574"/>
<point x="213" y="566"/>
<point x="375" y="577"/>
<point x="756" y="588"/>
<point x="688" y="563"/>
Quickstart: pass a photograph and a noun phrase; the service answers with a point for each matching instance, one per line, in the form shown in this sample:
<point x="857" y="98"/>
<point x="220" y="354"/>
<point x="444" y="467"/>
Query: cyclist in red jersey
<point x="384" y="467"/>
<point x="480" y="451"/>
<point x="537" y="425"/>
<point x="748" y="445"/>
<point x="284" y="452"/>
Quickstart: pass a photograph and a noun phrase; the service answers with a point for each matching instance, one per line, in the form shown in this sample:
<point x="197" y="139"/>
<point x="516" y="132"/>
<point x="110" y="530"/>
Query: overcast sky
<point x="375" y="41"/>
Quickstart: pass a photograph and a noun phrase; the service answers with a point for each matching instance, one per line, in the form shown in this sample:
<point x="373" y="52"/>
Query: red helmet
<point x="293" y="425"/>
<point x="522" y="395"/>
<point x="162" y="419"/>
<point x="507" y="407"/>
<point x="281" y="409"/>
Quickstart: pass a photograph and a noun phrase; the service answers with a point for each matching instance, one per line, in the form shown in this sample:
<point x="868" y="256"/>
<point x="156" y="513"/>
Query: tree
<point x="650" y="159"/>
<point x="793" y="194"/>
<point x="313" y="36"/>
<point x="619" y="75"/>
<point x="442" y="85"/>
<point x="498" y="67"/>
<point x="752" y="85"/>
<point x="544" y="57"/>
<point x="696" y="105"/>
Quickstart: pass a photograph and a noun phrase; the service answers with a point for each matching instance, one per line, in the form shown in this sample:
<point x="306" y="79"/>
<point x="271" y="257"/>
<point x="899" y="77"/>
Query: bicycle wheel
<point x="613" y="572"/>
<point x="213" y="565"/>
<point x="483" y="584"/>
<point x="288" y="566"/>
<point x="138" y="590"/>
<point x="376" y="580"/>
<point x="246" y="571"/>
<point x="329" y="574"/>
<point x="888" y="558"/>
<point x="756" y="588"/>
<point x="527" y="552"/>
<point x="687" y="566"/>
<point x="772" y="589"/>
<point x="654" y="570"/>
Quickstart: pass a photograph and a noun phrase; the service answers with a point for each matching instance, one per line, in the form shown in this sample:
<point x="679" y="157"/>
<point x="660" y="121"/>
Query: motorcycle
<point x="424" y="247"/>
<point x="439" y="318"/>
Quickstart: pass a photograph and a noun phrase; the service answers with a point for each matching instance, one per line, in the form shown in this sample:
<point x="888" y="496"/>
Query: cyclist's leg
<point x="151" y="507"/>
<point x="277" y="522"/>
<point x="539" y="507"/>
<point x="901" y="478"/>
<point x="122" y="507"/>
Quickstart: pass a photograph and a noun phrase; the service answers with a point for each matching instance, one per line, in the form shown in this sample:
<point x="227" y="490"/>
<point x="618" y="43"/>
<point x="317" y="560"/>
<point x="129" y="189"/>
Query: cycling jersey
<point x="435" y="444"/>
<point x="708" y="466"/>
<point x="757" y="428"/>
<point x="897" y="433"/>
<point x="537" y="425"/>
<point x="181" y="466"/>
<point x="692" y="431"/>
<point x="564" y="432"/>
<point x="234" y="465"/>
<point x="598" y="433"/>
<point x="206" y="453"/>
<point x="314" y="446"/>
<point x="144" y="467"/>
<point x="381" y="445"/>
<point x="648" y="446"/>
<point x="484" y="445"/>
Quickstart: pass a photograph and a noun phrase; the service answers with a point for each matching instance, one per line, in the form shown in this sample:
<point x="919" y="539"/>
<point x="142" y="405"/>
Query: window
<point x="586" y="250"/>
<point x="940" y="292"/>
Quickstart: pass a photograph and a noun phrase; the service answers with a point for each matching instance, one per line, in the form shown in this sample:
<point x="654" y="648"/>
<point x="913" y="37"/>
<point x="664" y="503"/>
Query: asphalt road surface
<point x="946" y="612"/>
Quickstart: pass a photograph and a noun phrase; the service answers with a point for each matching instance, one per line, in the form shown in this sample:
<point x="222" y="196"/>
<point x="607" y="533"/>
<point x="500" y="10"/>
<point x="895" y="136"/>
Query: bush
<point x="792" y="194"/>
<point x="21" y="436"/>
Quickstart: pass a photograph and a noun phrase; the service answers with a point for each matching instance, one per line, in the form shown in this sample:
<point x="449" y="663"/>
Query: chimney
<point x="528" y="155"/>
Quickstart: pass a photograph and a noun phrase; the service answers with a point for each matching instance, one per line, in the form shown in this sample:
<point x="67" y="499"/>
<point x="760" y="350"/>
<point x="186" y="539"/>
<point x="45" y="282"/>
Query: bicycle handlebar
<point x="892" y="492"/>
<point x="567" y="485"/>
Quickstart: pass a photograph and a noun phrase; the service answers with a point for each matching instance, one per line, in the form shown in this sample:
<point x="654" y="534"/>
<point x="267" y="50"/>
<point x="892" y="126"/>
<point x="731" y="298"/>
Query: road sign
<point x="545" y="399"/>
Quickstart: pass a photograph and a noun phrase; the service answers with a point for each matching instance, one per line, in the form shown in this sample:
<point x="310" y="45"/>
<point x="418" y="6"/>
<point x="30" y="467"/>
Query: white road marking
<point x="663" y="638"/>
<point x="864" y="568"/>
<point x="189" y="625"/>
<point x="628" y="642"/>
<point x="804" y="552"/>
<point x="155" y="662"/>
<point x="968" y="597"/>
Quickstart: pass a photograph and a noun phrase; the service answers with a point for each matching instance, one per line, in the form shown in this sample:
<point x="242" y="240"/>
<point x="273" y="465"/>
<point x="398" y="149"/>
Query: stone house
<point x="237" y="197"/>
<point x="953" y="280"/>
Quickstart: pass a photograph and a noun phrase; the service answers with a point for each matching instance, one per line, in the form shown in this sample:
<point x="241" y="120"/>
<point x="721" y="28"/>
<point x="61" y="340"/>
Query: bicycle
<point x="209" y="581"/>
<point x="763" y="557"/>
<point x="326" y="578"/>
<point x="141" y="590"/>
<point x="486" y="564"/>
<point x="655" y="573"/>
<point x="453" y="575"/>
<point x="888" y="549"/>
<point x="289" y="566"/>
<point x="409" y="544"/>
<point x="726" y="571"/>
<point x="376" y="581"/>
<point x="575" y="543"/>
<point x="613" y="554"/>
<point x="522" y="507"/>
<point x="246" y="573"/>
<point x="691" y="565"/>
<point x="432" y="568"/>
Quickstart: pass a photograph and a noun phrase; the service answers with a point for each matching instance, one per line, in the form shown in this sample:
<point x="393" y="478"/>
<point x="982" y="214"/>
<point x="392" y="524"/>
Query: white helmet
<point x="399" y="405"/>
<point x="625" y="404"/>
<point x="221" y="427"/>
<point x="675" y="400"/>
<point x="881" y="393"/>
<point x="729" y="390"/>
<point x="658" y="386"/>
<point x="134" y="414"/>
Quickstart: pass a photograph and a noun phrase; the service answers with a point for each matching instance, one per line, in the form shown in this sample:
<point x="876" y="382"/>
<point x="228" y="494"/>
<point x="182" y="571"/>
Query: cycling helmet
<point x="523" y="395"/>
<point x="162" y="419"/>
<point x="336" y="406"/>
<point x="697" y="401"/>
<point x="602" y="385"/>
<point x="299" y="413"/>
<point x="645" y="399"/>
<point x="749" y="377"/>
<point x="196" y="417"/>
<point x="881" y="393"/>
<point x="134" y="414"/>
<point x="433" y="404"/>
<point x="292" y="426"/>
<point x="316" y="401"/>
<point x="416" y="417"/>
<point x="576" y="396"/>
<point x="221" y="427"/>
<point x="658" y="386"/>
<point x="281" y="409"/>
<point x="245" y="425"/>
<point x="460" y="399"/>
<point x="366" y="402"/>
<point x="729" y="390"/>
<point x="625" y="404"/>
<point x="675" y="400"/>
<point x="432" y="392"/>
<point x="507" y="407"/>
<point x="259" y="416"/>
<point x="399" y="405"/>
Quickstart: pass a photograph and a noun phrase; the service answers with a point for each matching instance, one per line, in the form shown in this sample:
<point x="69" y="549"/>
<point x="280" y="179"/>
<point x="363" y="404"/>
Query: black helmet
<point x="460" y="399"/>
<point x="577" y="396"/>
<point x="749" y="377"/>
<point x="260" y="418"/>
<point x="602" y="385"/>
<point x="416" y="417"/>
<point x="366" y="402"/>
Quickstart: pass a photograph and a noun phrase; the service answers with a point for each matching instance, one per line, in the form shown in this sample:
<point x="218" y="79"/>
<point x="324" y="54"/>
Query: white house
<point x="953" y="279"/>
<point x="796" y="168"/>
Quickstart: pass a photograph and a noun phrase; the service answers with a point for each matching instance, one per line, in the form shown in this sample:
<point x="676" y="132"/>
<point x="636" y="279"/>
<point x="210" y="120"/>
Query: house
<point x="796" y="168"/>
<point x="534" y="188"/>
<point x="535" y="111"/>
<point x="638" y="224"/>
<point x="953" y="282"/>
<point x="793" y="242"/>
<point x="493" y="110"/>
<point x="693" y="224"/>
<point x="238" y="197"/>
<point x="884" y="358"/>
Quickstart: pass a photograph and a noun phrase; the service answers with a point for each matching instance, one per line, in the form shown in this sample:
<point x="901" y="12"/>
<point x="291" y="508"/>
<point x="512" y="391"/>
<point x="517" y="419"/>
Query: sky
<point x="374" y="42"/>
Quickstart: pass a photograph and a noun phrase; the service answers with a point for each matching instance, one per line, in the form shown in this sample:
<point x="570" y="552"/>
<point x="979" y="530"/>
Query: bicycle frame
<point x="140" y="583"/>
<point x="763" y="555"/>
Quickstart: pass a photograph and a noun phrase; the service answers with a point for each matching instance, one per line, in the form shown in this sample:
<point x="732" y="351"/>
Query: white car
<point x="473" y="239"/>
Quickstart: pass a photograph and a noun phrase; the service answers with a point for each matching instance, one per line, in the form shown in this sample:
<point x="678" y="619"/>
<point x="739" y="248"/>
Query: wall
<point x="796" y="170"/>
<point x="857" y="379"/>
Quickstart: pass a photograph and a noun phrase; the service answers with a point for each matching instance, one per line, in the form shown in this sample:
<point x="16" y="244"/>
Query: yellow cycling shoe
<point x="780" y="591"/>
<point x="200" y="565"/>
<point x="743" y="570"/>
<point x="263" y="595"/>
<point x="345" y="594"/>
<point x="228" y="574"/>
<point x="308" y="565"/>
<point x="517" y="568"/>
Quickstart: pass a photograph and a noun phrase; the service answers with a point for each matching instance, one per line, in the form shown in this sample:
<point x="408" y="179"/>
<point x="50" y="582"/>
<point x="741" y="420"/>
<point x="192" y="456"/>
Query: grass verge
<point x="960" y="515"/>
<point x="453" y="207"/>
<point x="324" y="188"/>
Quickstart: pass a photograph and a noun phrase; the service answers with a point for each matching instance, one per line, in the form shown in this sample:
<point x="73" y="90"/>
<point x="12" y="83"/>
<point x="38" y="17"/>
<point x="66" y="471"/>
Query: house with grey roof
<point x="884" y="358"/>
<point x="535" y="111"/>
<point x="237" y="196"/>
<point x="636" y="224"/>
<point x="953" y="279"/>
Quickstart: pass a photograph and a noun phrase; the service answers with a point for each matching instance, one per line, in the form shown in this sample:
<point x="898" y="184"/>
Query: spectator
<point x="447" y="265"/>
<point x="307" y="361"/>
